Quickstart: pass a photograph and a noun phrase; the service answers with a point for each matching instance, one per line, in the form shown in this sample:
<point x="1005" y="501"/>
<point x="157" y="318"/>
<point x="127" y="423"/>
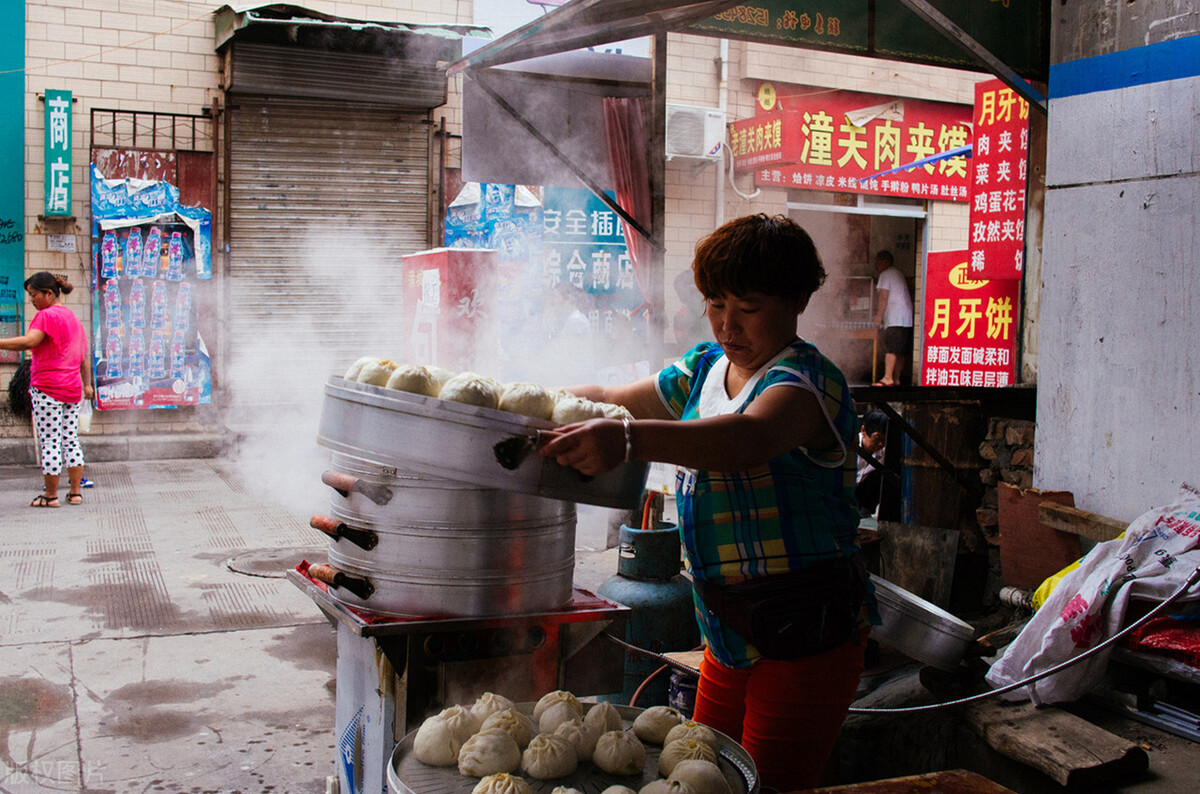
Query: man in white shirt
<point x="893" y="314"/>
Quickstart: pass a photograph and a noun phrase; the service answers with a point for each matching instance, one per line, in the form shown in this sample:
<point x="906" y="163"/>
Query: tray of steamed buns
<point x="467" y="427"/>
<point x="559" y="745"/>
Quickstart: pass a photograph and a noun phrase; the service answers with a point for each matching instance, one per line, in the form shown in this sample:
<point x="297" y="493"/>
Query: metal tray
<point x="407" y="775"/>
<point x="425" y="435"/>
<point x="919" y="629"/>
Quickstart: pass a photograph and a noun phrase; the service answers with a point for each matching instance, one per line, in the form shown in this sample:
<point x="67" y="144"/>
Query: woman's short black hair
<point x="758" y="253"/>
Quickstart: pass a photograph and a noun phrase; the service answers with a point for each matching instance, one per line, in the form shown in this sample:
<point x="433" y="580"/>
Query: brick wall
<point x="1008" y="449"/>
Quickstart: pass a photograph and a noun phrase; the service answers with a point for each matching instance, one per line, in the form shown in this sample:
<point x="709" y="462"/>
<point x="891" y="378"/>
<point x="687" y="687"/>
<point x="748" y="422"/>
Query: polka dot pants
<point x="57" y="426"/>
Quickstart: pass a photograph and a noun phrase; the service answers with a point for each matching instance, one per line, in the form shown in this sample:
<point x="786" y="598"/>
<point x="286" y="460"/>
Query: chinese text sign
<point x="58" y="152"/>
<point x="999" y="171"/>
<point x="970" y="325"/>
<point x="843" y="141"/>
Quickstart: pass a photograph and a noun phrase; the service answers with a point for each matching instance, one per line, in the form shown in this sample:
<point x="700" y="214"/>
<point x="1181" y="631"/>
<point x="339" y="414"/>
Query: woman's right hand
<point x="593" y="447"/>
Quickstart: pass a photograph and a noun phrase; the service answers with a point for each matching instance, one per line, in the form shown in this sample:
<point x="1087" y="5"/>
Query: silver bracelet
<point x="628" y="439"/>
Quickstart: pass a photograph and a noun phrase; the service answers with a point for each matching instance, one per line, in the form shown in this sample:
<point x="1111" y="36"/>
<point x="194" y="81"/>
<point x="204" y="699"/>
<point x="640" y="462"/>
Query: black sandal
<point x="74" y="498"/>
<point x="41" y="500"/>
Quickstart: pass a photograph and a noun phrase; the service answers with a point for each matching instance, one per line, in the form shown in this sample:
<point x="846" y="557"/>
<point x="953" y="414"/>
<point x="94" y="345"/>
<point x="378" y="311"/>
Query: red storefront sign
<point x="841" y="140"/>
<point x="970" y="325"/>
<point x="999" y="171"/>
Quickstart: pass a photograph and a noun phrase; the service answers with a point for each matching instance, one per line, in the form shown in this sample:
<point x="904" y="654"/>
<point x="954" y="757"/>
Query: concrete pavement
<point x="133" y="658"/>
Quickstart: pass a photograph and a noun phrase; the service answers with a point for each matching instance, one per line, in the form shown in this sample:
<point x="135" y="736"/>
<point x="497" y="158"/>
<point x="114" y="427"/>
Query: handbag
<point x="19" y="400"/>
<point x="790" y="615"/>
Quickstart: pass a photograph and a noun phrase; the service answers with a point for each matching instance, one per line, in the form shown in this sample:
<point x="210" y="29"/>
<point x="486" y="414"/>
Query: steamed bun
<point x="682" y="750"/>
<point x="556" y="714"/>
<point x="703" y="776"/>
<point x="527" y="399"/>
<point x="356" y="367"/>
<point x="461" y="721"/>
<point x="488" y="704"/>
<point x="440" y="375"/>
<point x="583" y="736"/>
<point x="618" y="790"/>
<point x="695" y="731"/>
<point x="489" y="752"/>
<point x="502" y="783"/>
<point x="472" y="389"/>
<point x="376" y="372"/>
<point x="619" y="753"/>
<point x="661" y="786"/>
<point x="517" y="725"/>
<point x="575" y="409"/>
<point x="436" y="743"/>
<point x="557" y="696"/>
<point x="614" y="411"/>
<point x="653" y="724"/>
<point x="605" y="717"/>
<point x="549" y="756"/>
<point x="412" y="378"/>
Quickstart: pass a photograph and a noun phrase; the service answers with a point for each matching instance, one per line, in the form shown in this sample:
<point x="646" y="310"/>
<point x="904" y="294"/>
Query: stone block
<point x="987" y="476"/>
<point x="1022" y="457"/>
<point x="987" y="450"/>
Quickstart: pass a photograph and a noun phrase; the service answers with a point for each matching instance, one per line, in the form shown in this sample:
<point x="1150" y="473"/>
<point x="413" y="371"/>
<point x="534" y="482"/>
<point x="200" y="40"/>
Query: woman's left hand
<point x="88" y="392"/>
<point x="593" y="447"/>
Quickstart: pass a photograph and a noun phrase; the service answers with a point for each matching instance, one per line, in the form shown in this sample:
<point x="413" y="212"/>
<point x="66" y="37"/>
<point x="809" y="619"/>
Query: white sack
<point x="1159" y="551"/>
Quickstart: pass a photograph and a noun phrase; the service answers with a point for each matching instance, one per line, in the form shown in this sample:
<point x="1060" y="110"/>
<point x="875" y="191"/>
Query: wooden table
<point x="953" y="781"/>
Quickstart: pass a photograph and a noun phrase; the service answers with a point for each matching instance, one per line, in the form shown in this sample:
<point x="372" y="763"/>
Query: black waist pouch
<point x="795" y="614"/>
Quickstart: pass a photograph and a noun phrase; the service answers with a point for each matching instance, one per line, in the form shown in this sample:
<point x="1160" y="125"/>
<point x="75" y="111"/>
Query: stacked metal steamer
<point x="446" y="509"/>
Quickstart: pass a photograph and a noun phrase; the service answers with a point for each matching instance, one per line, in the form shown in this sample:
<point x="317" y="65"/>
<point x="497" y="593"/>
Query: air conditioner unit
<point x="694" y="132"/>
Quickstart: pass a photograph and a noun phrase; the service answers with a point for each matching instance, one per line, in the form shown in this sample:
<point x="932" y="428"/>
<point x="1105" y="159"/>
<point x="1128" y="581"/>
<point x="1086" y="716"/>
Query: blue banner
<point x="12" y="172"/>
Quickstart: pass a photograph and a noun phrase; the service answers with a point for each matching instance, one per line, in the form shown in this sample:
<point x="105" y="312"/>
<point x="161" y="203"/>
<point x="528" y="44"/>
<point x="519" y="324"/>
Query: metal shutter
<point x="325" y="198"/>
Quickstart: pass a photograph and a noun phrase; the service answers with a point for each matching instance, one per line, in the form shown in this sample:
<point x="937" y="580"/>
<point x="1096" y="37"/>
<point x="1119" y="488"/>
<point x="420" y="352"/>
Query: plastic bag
<point x="1157" y="554"/>
<point x="85" y="416"/>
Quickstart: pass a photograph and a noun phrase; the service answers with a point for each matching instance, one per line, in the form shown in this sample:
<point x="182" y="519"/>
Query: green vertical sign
<point x="58" y="152"/>
<point x="12" y="171"/>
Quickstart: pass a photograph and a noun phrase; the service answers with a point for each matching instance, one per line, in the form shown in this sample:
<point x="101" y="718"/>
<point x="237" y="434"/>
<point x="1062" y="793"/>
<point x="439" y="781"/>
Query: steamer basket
<point x="453" y="549"/>
<point x="449" y="440"/>
<point x="407" y="775"/>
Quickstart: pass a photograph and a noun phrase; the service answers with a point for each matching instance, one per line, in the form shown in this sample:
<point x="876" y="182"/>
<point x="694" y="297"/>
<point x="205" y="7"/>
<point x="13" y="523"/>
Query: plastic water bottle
<point x="158" y="356"/>
<point x="183" y="307"/>
<point x="137" y="305"/>
<point x="175" y="257"/>
<point x="177" y="355"/>
<point x="137" y="355"/>
<point x="151" y="252"/>
<point x="158" y="306"/>
<point x="112" y="357"/>
<point x="108" y="256"/>
<point x="133" y="253"/>
<point x="112" y="304"/>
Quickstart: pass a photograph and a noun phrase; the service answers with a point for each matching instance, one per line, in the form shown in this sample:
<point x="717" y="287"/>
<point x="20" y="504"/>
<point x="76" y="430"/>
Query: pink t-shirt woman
<point x="60" y="378"/>
<point x="57" y="359"/>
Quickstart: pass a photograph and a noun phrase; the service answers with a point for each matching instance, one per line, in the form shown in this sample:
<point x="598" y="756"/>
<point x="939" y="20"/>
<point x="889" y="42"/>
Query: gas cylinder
<point x="662" y="618"/>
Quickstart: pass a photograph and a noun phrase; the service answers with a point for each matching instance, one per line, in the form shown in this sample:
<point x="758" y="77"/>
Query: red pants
<point x="786" y="715"/>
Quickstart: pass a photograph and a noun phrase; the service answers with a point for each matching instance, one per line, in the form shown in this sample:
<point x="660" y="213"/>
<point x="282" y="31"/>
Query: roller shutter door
<point x="325" y="198"/>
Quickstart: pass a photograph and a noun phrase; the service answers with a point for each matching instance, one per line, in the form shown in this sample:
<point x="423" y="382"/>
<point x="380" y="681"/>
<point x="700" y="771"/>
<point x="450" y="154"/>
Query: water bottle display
<point x="177" y="355"/>
<point x="175" y="257"/>
<point x="133" y="253"/>
<point x="158" y="356"/>
<point x="183" y="307"/>
<point x="108" y="256"/>
<point x="112" y="356"/>
<point x="150" y="253"/>
<point x="158" y="306"/>
<point x="137" y="305"/>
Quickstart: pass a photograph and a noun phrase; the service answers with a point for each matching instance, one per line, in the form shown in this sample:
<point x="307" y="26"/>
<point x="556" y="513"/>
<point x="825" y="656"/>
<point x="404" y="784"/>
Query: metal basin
<point x="453" y="441"/>
<point x="919" y="629"/>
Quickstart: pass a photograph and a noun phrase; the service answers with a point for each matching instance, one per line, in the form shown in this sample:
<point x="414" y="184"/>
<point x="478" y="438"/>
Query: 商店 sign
<point x="821" y="140"/>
